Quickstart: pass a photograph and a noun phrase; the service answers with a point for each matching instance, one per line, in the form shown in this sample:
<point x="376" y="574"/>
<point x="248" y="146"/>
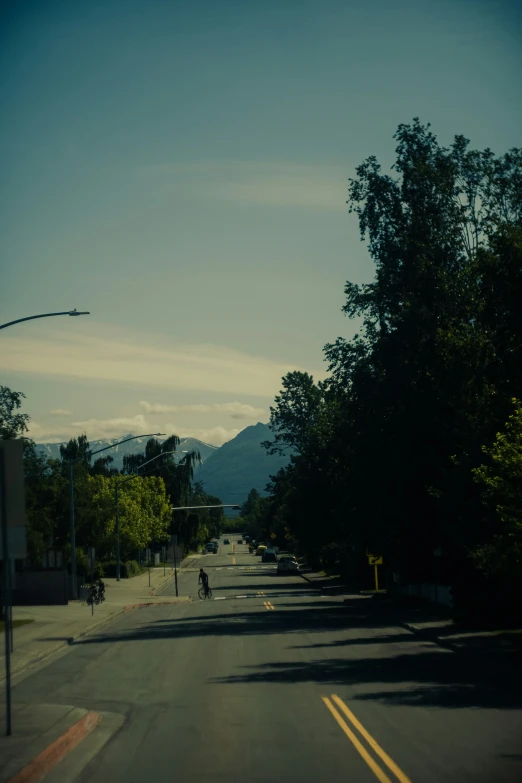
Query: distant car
<point x="287" y="565"/>
<point x="211" y="547"/>
<point x="239" y="540"/>
<point x="226" y="541"/>
<point x="260" y="549"/>
<point x="269" y="556"/>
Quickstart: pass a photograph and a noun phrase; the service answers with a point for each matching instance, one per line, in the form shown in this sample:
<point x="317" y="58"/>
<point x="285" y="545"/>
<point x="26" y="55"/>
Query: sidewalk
<point x="433" y="623"/>
<point x="44" y="734"/>
<point x="55" y="627"/>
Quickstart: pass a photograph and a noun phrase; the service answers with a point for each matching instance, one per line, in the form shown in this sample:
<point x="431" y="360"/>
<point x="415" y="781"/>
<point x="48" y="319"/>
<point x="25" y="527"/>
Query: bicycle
<point x="202" y="593"/>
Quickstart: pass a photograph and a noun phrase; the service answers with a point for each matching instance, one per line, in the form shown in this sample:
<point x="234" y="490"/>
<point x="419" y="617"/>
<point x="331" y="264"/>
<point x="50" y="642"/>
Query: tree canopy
<point x="385" y="451"/>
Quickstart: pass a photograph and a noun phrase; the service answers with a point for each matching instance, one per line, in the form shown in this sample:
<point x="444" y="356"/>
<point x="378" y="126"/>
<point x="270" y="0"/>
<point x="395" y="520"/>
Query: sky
<point x="181" y="169"/>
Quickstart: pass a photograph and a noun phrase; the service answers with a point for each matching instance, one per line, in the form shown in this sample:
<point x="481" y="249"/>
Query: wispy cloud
<point x="60" y="412"/>
<point x="135" y="358"/>
<point x="101" y="429"/>
<point x="270" y="184"/>
<point x="96" y="429"/>
<point x="236" y="410"/>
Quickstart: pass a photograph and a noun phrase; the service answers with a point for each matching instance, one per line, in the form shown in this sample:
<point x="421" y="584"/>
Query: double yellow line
<point x="377" y="770"/>
<point x="269" y="605"/>
<point x="260" y="592"/>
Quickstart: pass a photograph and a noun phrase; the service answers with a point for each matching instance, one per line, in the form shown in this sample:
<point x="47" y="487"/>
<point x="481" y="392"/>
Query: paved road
<point x="269" y="682"/>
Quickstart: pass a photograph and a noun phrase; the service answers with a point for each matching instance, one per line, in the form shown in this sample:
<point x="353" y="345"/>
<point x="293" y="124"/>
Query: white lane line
<point x="221" y="598"/>
<point x="242" y="596"/>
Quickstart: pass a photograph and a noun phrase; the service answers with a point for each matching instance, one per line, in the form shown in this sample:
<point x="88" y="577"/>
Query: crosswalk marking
<point x="263" y="595"/>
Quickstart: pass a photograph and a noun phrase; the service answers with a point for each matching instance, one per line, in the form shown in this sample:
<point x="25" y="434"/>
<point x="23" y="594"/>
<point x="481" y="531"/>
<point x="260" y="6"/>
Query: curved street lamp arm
<point x="134" y="437"/>
<point x="44" y="315"/>
<point x="138" y="475"/>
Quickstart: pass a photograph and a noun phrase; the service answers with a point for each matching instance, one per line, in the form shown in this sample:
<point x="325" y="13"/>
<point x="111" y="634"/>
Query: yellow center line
<point x="377" y="771"/>
<point x="266" y="605"/>
<point x="392" y="766"/>
<point x="233" y="561"/>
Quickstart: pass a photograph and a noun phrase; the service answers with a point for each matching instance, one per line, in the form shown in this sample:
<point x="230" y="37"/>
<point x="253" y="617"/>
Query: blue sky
<point x="180" y="170"/>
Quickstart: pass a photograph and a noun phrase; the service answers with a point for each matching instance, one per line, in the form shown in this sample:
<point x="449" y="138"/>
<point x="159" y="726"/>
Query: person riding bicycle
<point x="203" y="578"/>
<point x="101" y="589"/>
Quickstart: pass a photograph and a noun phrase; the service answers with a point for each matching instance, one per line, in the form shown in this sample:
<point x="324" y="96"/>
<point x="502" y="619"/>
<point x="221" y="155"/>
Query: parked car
<point x="260" y="549"/>
<point x="211" y="548"/>
<point x="239" y="540"/>
<point x="287" y="565"/>
<point x="226" y="541"/>
<point x="269" y="556"/>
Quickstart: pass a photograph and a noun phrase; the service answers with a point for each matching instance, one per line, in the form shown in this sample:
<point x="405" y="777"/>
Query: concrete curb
<point x="40" y="658"/>
<point x="438" y="640"/>
<point x="43" y="656"/>
<point x="36" y="770"/>
<point x="187" y="600"/>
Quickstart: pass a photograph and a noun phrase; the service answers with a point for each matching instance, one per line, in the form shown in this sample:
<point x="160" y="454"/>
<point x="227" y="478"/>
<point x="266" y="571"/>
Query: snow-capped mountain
<point x="52" y="450"/>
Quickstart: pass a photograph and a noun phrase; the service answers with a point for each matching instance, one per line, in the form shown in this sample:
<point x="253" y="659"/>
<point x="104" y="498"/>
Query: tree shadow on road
<point x="380" y="662"/>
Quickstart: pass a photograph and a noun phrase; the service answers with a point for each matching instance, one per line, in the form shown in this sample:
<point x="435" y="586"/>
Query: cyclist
<point x="101" y="590"/>
<point x="203" y="578"/>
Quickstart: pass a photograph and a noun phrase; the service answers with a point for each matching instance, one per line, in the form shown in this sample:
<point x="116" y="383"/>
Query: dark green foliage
<point x="127" y="569"/>
<point x="385" y="449"/>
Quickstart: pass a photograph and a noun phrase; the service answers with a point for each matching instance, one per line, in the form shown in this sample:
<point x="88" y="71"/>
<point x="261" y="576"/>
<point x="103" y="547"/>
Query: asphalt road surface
<point x="269" y="681"/>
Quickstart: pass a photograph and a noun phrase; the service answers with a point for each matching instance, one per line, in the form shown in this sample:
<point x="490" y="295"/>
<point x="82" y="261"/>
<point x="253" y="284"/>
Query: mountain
<point x="52" y="450"/>
<point x="229" y="471"/>
<point x="240" y="465"/>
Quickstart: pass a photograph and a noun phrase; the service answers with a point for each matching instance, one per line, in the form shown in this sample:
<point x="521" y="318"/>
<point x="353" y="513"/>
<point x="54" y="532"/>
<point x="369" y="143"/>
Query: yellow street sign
<point x="374" y="560"/>
<point x="273" y="536"/>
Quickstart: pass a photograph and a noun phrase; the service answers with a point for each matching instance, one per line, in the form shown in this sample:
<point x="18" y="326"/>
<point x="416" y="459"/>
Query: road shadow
<point x="380" y="662"/>
<point x="242" y="588"/>
<point x="431" y="678"/>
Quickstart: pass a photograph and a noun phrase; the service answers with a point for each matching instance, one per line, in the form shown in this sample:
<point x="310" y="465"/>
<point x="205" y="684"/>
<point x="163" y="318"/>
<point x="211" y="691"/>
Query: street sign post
<point x="174" y="540"/>
<point x="12" y="522"/>
<point x="375" y="561"/>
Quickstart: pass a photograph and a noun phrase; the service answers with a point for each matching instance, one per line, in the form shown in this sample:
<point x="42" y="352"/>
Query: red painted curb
<point x="155" y="603"/>
<point x="55" y="752"/>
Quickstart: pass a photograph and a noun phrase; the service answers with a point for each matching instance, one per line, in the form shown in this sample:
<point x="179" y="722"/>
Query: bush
<point x="128" y="569"/>
<point x="82" y="561"/>
<point x="330" y="555"/>
<point x="98" y="573"/>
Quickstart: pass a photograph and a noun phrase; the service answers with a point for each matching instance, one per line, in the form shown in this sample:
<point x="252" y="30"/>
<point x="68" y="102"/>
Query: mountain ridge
<point x="241" y="464"/>
<point x="229" y="471"/>
<point x="136" y="446"/>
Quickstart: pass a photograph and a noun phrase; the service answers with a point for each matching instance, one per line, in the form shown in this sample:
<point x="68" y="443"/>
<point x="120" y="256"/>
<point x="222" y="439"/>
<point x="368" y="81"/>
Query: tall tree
<point x="12" y="424"/>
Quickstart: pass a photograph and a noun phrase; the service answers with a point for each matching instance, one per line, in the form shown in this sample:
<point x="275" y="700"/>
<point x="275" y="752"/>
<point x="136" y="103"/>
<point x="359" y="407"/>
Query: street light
<point x="45" y="315"/>
<point x="7" y="599"/>
<point x="116" y="485"/>
<point x="71" y="463"/>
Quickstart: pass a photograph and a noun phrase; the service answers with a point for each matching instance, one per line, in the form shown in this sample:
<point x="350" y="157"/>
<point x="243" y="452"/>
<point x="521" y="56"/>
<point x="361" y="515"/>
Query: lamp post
<point x="7" y="573"/>
<point x="71" y="463"/>
<point x="44" y="315"/>
<point x="116" y="501"/>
